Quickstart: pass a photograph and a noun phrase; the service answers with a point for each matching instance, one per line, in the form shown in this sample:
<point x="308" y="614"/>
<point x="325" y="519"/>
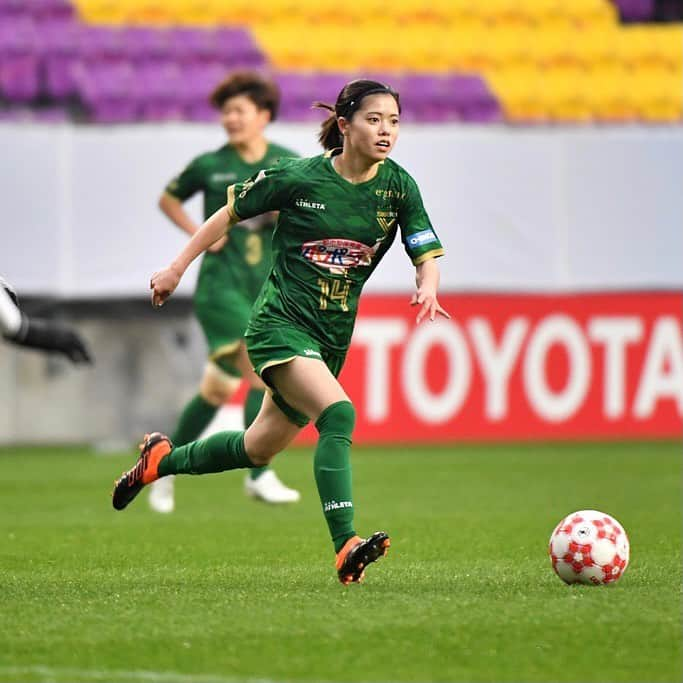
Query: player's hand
<point x="72" y="346"/>
<point x="218" y="244"/>
<point x="163" y="284"/>
<point x="429" y="306"/>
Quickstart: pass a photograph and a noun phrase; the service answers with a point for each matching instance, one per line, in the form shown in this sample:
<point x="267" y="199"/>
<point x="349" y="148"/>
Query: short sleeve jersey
<point x="330" y="236"/>
<point x="245" y="260"/>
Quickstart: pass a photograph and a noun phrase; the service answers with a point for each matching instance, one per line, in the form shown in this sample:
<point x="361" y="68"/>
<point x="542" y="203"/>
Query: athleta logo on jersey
<point x="338" y="253"/>
<point x="307" y="204"/>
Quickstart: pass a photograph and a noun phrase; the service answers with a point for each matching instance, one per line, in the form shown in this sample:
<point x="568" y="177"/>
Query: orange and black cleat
<point x="154" y="447"/>
<point x="358" y="553"/>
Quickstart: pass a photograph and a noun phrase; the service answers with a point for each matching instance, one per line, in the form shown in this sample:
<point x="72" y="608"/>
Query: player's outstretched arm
<point x="33" y="333"/>
<point x="48" y="336"/>
<point x="164" y="282"/>
<point x="427" y="283"/>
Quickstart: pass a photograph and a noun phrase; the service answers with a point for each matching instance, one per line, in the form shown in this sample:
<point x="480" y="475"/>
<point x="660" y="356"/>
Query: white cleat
<point x="270" y="489"/>
<point x="161" y="497"/>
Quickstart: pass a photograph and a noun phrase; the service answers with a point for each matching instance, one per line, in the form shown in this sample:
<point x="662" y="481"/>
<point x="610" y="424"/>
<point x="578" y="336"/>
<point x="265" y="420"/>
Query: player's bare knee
<point x="216" y="386"/>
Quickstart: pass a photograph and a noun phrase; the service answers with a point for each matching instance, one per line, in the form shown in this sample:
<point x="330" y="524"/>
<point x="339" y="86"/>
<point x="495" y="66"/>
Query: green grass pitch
<point x="227" y="589"/>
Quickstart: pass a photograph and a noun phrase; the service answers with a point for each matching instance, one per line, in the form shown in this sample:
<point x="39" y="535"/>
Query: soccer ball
<point x="589" y="547"/>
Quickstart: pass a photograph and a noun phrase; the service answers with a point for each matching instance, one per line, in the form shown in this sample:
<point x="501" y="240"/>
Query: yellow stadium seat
<point x="427" y="51"/>
<point x="101" y="11"/>
<point x="500" y="12"/>
<point x="659" y="95"/>
<point x="154" y="12"/>
<point x="546" y="13"/>
<point x="612" y="94"/>
<point x="644" y="46"/>
<point x="468" y="50"/>
<point x="598" y="47"/>
<point x="460" y="14"/>
<point x="565" y="95"/>
<point x="555" y="46"/>
<point x="519" y="91"/>
<point x="590" y="13"/>
<point x="511" y="45"/>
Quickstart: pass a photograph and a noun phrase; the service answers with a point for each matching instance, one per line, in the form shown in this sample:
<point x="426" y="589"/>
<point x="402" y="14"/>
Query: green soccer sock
<point x="332" y="469"/>
<point x="252" y="405"/>
<point x="217" y="453"/>
<point x="195" y="417"/>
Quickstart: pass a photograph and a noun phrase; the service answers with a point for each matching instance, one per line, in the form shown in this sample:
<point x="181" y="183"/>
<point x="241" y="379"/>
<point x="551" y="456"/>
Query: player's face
<point x="373" y="129"/>
<point x="243" y="120"/>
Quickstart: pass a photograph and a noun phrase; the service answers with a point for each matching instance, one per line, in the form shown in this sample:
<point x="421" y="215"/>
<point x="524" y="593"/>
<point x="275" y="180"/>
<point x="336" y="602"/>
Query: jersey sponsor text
<point x="339" y="253"/>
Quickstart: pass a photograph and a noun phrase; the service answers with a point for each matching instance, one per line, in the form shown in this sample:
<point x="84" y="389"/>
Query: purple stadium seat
<point x="635" y="10"/>
<point x="96" y="42"/>
<point x="159" y="89"/>
<point x="60" y="39"/>
<point x="107" y="87"/>
<point x="44" y="10"/>
<point x="298" y="92"/>
<point x="234" y="46"/>
<point x="18" y="35"/>
<point x="162" y="110"/>
<point x="199" y="79"/>
<point x="114" y="111"/>
<point x="19" y="77"/>
<point x="327" y="86"/>
<point x="426" y="97"/>
<point x="9" y="7"/>
<point x="201" y="111"/>
<point x="473" y="99"/>
<point x="190" y="44"/>
<point x="141" y="42"/>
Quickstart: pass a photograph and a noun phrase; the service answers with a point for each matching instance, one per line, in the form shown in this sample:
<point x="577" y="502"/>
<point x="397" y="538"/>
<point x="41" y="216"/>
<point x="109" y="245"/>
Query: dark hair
<point x="263" y="92"/>
<point x="348" y="103"/>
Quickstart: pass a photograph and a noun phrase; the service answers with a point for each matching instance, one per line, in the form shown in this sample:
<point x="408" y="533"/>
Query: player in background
<point x="34" y="333"/>
<point x="232" y="270"/>
<point x="339" y="214"/>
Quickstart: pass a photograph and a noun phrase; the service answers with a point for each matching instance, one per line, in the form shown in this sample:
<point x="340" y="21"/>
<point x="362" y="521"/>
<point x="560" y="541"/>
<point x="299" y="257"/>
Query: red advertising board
<point x="518" y="367"/>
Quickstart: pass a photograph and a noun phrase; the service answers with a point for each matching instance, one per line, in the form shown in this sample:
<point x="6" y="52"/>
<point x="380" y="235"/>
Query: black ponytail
<point x="330" y="136"/>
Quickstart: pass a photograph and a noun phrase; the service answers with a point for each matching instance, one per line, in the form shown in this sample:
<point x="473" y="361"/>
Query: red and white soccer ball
<point x="589" y="547"/>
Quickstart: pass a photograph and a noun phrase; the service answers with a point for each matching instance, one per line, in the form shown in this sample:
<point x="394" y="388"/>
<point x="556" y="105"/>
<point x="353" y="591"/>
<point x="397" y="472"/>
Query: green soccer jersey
<point x="245" y="261"/>
<point x="330" y="236"/>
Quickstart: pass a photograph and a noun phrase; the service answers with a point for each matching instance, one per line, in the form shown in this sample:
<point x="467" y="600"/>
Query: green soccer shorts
<point x="223" y="316"/>
<point x="280" y="344"/>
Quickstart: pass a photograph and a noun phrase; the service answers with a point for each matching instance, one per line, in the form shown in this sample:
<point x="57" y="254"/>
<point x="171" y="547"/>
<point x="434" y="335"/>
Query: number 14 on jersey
<point x="333" y="291"/>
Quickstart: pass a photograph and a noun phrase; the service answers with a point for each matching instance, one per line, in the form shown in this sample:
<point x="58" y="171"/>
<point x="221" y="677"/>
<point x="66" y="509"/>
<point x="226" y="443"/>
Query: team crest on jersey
<point x="337" y="255"/>
<point x="386" y="219"/>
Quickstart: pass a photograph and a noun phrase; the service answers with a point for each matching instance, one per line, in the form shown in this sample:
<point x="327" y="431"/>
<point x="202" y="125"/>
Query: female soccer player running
<point x="339" y="213"/>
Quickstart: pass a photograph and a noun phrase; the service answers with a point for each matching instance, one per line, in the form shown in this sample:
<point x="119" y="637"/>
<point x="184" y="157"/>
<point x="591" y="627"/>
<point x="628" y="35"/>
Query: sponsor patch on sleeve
<point x="419" y="239"/>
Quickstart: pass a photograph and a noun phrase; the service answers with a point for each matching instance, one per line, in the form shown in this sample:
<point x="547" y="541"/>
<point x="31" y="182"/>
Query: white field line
<point x="48" y="673"/>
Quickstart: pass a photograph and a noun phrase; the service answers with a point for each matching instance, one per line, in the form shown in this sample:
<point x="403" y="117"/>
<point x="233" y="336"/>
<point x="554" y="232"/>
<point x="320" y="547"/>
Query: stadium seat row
<point x="293" y="45"/>
<point x="208" y="12"/>
<point x="600" y="71"/>
<point x="607" y="95"/>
